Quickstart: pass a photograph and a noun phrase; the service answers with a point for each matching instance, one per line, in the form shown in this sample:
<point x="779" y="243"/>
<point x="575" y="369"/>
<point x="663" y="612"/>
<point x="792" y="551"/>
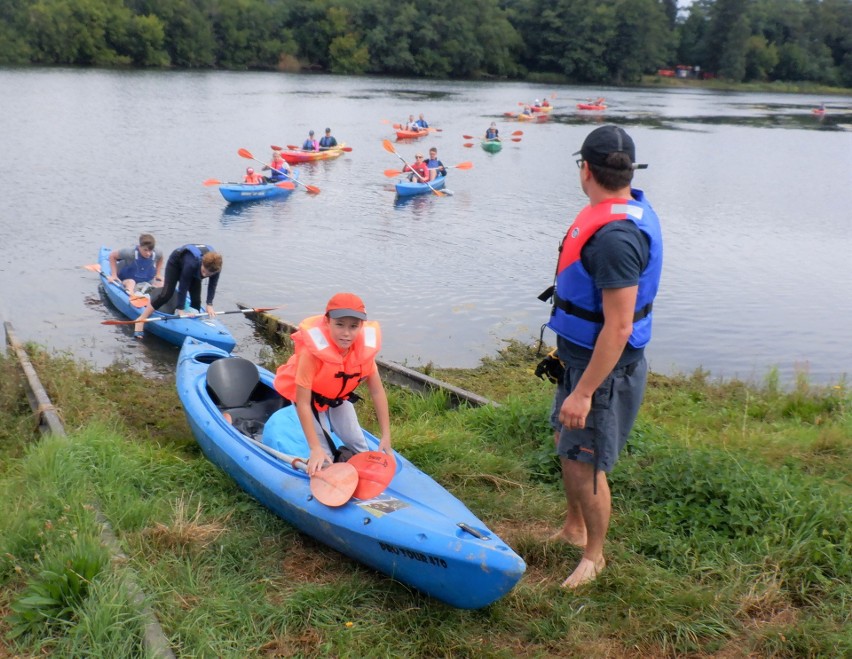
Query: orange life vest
<point x="338" y="375"/>
<point x="253" y="179"/>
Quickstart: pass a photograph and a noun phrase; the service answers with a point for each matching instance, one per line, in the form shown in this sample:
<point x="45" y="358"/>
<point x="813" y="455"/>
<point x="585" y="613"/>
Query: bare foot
<point x="585" y="572"/>
<point x="568" y="539"/>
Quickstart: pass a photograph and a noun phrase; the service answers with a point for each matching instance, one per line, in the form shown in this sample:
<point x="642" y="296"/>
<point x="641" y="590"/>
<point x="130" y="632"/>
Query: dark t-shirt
<point x="615" y="258"/>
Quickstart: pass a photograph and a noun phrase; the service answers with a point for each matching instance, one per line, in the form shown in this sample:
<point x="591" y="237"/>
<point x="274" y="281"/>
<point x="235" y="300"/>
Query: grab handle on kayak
<point x="469" y="529"/>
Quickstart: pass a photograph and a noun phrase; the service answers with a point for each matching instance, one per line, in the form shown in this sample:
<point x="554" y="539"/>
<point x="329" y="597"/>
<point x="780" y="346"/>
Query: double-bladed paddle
<point x="375" y="472"/>
<point x="287" y="185"/>
<point x="293" y="147"/>
<point x="333" y="486"/>
<point x="390" y="148"/>
<point x="136" y="299"/>
<point x="158" y="319"/>
<point x="245" y="153"/>
<point x="390" y="173"/>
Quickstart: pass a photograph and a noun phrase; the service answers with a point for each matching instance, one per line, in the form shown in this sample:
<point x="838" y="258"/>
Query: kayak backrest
<point x="231" y="381"/>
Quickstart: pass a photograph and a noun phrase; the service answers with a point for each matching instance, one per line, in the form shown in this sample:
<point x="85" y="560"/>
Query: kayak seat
<point x="234" y="386"/>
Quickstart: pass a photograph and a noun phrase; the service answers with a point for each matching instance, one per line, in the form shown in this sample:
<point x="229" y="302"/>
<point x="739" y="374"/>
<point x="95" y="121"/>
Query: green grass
<point x="730" y="532"/>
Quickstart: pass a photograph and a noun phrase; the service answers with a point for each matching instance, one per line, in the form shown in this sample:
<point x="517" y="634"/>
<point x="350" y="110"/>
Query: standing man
<point x="607" y="276"/>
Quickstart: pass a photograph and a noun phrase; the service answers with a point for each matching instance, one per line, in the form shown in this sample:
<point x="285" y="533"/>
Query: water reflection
<point x="752" y="236"/>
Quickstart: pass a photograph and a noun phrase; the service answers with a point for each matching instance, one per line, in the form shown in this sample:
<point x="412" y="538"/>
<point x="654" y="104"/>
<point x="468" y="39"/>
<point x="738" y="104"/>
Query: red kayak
<point x="590" y="106"/>
<point x="402" y="134"/>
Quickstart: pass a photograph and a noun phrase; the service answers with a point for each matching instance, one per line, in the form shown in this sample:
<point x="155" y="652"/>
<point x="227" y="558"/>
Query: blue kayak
<point x="173" y="330"/>
<point x="415" y="531"/>
<point x="235" y="193"/>
<point x="406" y="188"/>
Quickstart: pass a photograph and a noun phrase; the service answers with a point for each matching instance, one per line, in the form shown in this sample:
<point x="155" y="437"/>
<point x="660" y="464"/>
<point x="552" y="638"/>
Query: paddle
<point x="471" y="137"/>
<point x="390" y="173"/>
<point x="187" y="316"/>
<point x="389" y="147"/>
<point x="333" y="486"/>
<point x="245" y="153"/>
<point x="375" y="472"/>
<point x="293" y="147"/>
<point x="138" y="301"/>
<point x="287" y="185"/>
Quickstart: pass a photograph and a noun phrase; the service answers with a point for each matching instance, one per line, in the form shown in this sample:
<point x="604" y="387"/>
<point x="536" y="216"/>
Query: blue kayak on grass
<point x="415" y="531"/>
<point x="173" y="330"/>
<point x="235" y="193"/>
<point x="406" y="188"/>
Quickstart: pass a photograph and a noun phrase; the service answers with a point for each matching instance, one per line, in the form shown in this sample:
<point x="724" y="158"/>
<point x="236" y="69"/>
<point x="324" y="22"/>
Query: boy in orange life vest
<point x="334" y="353"/>
<point x="251" y="178"/>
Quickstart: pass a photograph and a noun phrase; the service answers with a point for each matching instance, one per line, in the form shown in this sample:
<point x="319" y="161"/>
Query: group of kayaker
<point x="416" y="125"/>
<point x="140" y="268"/>
<point x="324" y="143"/>
<point x="425" y="170"/>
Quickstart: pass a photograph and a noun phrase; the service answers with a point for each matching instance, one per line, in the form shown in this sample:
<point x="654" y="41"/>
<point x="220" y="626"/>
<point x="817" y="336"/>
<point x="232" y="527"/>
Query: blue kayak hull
<point x="411" y="532"/>
<point x="174" y="330"/>
<point x="235" y="193"/>
<point x="411" y="188"/>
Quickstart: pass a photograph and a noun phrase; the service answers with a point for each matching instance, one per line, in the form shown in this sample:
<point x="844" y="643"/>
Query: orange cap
<point x="346" y="305"/>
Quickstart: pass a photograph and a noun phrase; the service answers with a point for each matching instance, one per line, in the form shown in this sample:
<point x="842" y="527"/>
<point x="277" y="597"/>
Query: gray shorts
<point x="343" y="421"/>
<point x="615" y="406"/>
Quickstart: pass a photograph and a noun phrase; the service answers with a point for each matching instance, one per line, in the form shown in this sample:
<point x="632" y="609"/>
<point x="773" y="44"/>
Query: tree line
<point x="582" y="41"/>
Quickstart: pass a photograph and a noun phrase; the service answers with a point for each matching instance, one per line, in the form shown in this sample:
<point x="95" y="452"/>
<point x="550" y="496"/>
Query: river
<point x="749" y="187"/>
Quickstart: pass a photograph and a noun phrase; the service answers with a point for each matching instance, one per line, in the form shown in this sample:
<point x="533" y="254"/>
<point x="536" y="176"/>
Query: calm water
<point x="752" y="190"/>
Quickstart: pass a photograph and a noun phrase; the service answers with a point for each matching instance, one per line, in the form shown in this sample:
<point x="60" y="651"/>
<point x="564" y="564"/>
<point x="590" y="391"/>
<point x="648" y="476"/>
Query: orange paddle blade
<point x="468" y="137"/>
<point x="312" y="189"/>
<point x="293" y="147"/>
<point x="94" y="267"/>
<point x="516" y="139"/>
<point x="335" y="484"/>
<point x="274" y="147"/>
<point x="347" y="149"/>
<point x="212" y="181"/>
<point x="245" y="153"/>
<point x="388" y="146"/>
<point x="464" y="165"/>
<point x="518" y="132"/>
<point x="390" y="173"/>
<point x="375" y="471"/>
<point x="287" y="185"/>
<point x="139" y="301"/>
<point x="467" y="144"/>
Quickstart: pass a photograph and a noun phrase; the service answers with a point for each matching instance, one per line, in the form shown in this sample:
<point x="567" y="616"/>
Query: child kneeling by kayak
<point x="334" y="353"/>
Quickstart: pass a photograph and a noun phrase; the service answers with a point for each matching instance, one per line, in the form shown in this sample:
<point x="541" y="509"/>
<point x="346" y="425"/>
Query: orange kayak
<point x="295" y="156"/>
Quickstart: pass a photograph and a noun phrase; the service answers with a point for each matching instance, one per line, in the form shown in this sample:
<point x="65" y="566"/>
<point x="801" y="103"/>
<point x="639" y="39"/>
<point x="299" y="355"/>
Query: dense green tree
<point x="587" y="41"/>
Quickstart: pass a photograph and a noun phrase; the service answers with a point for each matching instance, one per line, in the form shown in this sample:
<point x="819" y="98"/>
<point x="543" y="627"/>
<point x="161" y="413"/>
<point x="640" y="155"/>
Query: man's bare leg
<point x="596" y="508"/>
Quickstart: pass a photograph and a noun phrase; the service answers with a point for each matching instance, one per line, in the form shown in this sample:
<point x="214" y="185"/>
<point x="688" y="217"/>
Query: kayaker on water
<point x="492" y="133"/>
<point x="278" y="168"/>
<point x="421" y="123"/>
<point x="419" y="170"/>
<point x="252" y="178"/>
<point x="327" y="141"/>
<point x="412" y="124"/>
<point x="137" y="265"/>
<point x="435" y="166"/>
<point x="186" y="267"/>
<point x="310" y="144"/>
<point x="334" y="353"/>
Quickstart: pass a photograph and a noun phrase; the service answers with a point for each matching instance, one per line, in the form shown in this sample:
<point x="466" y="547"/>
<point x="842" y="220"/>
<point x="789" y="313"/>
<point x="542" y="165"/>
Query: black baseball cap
<point x="606" y="140"/>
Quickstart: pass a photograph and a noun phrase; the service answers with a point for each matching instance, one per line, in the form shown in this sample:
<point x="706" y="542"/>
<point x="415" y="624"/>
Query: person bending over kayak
<point x="334" y="353"/>
<point x="435" y="166"/>
<point x="419" y="170"/>
<point x="137" y="265"/>
<point x="310" y="144"/>
<point x="327" y="141"/>
<point x="185" y="269"/>
<point x="279" y="170"/>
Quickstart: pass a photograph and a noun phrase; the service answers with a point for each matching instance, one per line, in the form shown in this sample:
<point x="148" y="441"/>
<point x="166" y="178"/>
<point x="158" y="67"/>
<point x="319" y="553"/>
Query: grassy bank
<point x="730" y="535"/>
